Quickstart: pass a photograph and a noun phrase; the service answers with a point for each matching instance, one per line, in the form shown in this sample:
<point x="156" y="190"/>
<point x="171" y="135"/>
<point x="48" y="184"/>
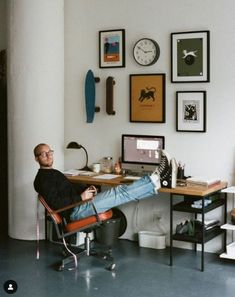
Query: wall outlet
<point x="157" y="215"/>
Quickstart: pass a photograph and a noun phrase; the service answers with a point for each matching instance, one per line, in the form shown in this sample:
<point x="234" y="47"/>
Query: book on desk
<point x="202" y="182"/>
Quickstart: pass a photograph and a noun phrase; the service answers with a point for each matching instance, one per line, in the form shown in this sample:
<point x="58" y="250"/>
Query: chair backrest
<point x="55" y="216"/>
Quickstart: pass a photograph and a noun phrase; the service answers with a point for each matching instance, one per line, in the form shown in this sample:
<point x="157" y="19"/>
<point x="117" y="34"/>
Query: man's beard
<point x="48" y="164"/>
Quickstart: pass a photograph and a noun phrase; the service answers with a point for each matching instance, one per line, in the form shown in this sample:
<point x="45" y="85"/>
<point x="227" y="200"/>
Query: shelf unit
<point x="227" y="254"/>
<point x="197" y="238"/>
<point x="204" y="235"/>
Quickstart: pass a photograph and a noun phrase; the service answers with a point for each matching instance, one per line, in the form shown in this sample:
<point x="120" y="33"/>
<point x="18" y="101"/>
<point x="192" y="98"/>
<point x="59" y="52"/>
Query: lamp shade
<point x="75" y="145"/>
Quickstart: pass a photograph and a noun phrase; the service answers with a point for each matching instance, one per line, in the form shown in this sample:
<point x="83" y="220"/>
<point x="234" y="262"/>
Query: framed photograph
<point x="147" y="98"/>
<point x="190" y="57"/>
<point x="191" y="111"/>
<point x="112" y="48"/>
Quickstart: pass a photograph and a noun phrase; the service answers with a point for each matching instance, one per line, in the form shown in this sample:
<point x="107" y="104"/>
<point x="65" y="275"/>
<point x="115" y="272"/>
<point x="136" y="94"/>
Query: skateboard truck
<point x="109" y="95"/>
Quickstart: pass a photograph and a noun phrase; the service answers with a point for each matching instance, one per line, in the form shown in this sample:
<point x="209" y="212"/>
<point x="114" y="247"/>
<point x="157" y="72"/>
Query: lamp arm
<point x="86" y="168"/>
<point x="86" y="155"/>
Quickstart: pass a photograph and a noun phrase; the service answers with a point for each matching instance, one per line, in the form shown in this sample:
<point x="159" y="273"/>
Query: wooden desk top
<point x="92" y="180"/>
<point x="119" y="180"/>
<point x="194" y="191"/>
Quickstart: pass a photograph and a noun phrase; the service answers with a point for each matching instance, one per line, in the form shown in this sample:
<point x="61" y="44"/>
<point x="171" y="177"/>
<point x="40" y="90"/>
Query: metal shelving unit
<point x="205" y="235"/>
<point x="229" y="254"/>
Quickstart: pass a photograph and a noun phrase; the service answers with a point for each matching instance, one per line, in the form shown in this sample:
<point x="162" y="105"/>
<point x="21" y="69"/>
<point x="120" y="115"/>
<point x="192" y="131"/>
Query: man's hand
<point x="89" y="193"/>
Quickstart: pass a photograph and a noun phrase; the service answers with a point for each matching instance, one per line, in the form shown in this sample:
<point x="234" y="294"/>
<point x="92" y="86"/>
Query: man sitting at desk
<point x="59" y="192"/>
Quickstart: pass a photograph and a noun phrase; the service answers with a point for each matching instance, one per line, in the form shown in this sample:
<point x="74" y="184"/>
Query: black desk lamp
<point x="75" y="145"/>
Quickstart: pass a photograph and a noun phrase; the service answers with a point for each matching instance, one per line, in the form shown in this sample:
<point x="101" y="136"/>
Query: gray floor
<point x="140" y="272"/>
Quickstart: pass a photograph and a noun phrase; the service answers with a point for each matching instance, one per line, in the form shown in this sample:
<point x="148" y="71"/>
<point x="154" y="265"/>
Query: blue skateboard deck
<point x="90" y="96"/>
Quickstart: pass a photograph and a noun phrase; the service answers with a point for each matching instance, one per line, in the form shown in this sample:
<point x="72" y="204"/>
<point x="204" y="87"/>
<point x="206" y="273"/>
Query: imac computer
<point x="141" y="153"/>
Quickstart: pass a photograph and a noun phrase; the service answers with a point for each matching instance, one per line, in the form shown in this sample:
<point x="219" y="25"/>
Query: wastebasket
<point x="108" y="232"/>
<point x="152" y="239"/>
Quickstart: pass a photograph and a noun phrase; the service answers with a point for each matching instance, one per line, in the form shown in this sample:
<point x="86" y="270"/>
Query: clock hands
<point x="140" y="48"/>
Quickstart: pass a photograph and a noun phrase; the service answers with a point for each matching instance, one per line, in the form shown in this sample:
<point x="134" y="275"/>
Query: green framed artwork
<point x="190" y="57"/>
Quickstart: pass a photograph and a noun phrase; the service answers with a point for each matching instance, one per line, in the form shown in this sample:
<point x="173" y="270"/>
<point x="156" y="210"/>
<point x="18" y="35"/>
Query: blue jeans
<point x="140" y="189"/>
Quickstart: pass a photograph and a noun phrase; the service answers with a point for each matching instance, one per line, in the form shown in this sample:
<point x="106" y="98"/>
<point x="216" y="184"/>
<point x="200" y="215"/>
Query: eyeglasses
<point x="45" y="154"/>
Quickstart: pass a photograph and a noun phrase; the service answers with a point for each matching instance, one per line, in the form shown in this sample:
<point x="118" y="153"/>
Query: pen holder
<point x="180" y="174"/>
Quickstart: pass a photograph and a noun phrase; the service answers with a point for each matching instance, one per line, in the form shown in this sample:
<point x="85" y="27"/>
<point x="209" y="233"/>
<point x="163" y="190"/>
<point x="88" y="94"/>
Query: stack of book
<point x="208" y="224"/>
<point x="202" y="182"/>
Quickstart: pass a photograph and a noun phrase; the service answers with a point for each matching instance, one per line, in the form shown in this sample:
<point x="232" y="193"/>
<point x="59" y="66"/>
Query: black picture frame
<point x="190" y="57"/>
<point x="112" y="48"/>
<point x="191" y="111"/>
<point x="147" y="98"/>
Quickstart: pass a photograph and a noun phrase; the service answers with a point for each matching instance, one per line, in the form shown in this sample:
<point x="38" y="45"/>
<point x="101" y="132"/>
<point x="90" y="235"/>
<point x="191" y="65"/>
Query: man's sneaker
<point x="163" y="167"/>
<point x="165" y="177"/>
<point x="167" y="171"/>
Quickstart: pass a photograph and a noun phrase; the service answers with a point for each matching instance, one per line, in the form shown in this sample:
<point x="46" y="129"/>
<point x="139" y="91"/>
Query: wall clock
<point x="146" y="51"/>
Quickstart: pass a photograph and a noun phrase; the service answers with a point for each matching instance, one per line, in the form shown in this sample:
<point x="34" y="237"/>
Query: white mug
<point x="96" y="167"/>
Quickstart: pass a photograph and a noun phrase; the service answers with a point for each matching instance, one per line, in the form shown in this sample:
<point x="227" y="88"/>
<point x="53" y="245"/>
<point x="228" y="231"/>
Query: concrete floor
<point x="140" y="272"/>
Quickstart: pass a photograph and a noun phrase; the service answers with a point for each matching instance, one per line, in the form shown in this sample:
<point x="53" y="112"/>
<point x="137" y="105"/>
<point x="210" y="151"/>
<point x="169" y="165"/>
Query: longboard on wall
<point x="90" y="96"/>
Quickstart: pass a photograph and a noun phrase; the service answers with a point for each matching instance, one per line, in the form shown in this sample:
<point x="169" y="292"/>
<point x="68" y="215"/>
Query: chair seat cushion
<point x="89" y="221"/>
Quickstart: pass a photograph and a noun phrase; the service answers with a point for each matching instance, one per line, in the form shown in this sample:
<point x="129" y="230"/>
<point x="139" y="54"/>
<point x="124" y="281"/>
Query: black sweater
<point x="55" y="188"/>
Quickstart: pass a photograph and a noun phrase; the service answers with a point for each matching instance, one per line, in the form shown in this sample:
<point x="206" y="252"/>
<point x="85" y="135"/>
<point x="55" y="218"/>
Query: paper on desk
<point x="74" y="172"/>
<point x="106" y="176"/>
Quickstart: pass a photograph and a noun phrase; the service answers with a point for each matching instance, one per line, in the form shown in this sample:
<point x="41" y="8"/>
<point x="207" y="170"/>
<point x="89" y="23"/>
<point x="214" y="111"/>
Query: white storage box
<point x="152" y="239"/>
<point x="231" y="249"/>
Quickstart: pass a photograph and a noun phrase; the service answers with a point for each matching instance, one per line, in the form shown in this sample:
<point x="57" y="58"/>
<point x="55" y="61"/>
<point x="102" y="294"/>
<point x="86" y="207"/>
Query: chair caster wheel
<point x="111" y="267"/>
<point x="60" y="268"/>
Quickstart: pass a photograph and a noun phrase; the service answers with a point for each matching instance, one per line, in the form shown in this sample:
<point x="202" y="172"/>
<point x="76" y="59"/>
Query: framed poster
<point x="112" y="48"/>
<point x="191" y="111"/>
<point x="190" y="56"/>
<point x="147" y="98"/>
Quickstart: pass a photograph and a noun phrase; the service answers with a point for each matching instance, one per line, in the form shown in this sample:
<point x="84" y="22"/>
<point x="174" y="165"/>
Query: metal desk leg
<point x="225" y="220"/>
<point x="203" y="233"/>
<point x="171" y="230"/>
<point x="195" y="244"/>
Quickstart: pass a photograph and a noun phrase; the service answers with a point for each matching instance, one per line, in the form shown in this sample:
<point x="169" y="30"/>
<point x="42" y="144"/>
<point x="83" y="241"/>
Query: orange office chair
<point x="86" y="225"/>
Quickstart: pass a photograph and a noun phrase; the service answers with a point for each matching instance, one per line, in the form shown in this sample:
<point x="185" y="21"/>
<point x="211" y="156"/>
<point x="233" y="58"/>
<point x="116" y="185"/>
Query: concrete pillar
<point x="35" y="102"/>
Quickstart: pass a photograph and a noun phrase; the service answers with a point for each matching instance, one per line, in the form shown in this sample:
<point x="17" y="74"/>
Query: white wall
<point x="211" y="153"/>
<point x="2" y="24"/>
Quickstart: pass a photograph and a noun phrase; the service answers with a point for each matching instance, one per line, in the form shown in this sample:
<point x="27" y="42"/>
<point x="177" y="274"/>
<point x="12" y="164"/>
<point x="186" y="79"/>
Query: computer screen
<point x="141" y="153"/>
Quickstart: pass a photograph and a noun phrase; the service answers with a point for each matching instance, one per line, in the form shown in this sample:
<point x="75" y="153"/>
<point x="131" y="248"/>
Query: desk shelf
<point x="228" y="227"/>
<point x="226" y="256"/>
<point x="186" y="207"/>
<point x="197" y="238"/>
